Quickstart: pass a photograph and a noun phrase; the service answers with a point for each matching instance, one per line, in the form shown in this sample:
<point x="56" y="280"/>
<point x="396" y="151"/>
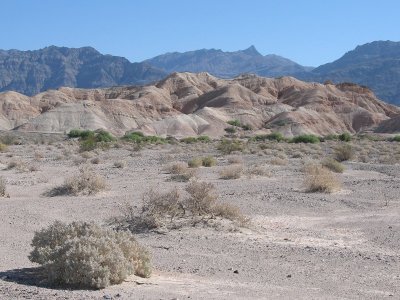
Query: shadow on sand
<point x="26" y="276"/>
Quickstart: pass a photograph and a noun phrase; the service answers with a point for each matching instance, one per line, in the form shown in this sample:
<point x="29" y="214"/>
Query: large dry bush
<point x="320" y="179"/>
<point x="85" y="182"/>
<point x="202" y="198"/>
<point x="86" y="255"/>
<point x="171" y="209"/>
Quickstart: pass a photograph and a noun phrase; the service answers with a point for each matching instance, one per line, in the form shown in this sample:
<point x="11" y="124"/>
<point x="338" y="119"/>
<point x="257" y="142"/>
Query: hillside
<point x="376" y="65"/>
<point x="187" y="104"/>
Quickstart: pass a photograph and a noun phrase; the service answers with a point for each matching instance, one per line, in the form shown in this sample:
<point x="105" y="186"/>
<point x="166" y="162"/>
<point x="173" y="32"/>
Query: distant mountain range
<point x="227" y="64"/>
<point x="376" y="65"/>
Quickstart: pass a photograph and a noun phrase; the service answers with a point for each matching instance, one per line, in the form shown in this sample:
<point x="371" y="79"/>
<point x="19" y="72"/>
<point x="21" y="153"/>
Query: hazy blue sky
<point x="308" y="32"/>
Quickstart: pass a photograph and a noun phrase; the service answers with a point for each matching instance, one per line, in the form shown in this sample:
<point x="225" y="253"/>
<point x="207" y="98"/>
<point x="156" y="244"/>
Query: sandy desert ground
<point x="298" y="245"/>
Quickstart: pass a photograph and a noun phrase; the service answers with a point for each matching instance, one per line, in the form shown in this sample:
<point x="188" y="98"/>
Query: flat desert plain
<point x="296" y="245"/>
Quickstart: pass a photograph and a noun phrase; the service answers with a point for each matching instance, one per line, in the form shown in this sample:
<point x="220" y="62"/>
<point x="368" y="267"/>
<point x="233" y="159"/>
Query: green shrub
<point x="235" y="123"/>
<point x="228" y="146"/>
<point x="88" y="144"/>
<point x="306" y="138"/>
<point x="345" y="137"/>
<point x="396" y="138"/>
<point x="192" y="140"/>
<point x="86" y="255"/>
<point x="138" y="137"/>
<point x="104" y="136"/>
<point x="203" y="139"/>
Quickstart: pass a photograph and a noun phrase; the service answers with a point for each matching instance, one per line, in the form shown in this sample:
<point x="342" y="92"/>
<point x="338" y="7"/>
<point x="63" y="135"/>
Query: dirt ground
<point x="299" y="245"/>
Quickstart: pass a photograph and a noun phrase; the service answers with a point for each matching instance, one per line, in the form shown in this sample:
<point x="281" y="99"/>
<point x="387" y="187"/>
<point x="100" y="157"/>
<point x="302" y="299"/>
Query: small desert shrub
<point x="183" y="177"/>
<point x="235" y="159"/>
<point x="247" y="127"/>
<point x="177" y="167"/>
<point x="209" y="161"/>
<point x="86" y="255"/>
<point x="3" y="147"/>
<point x="231" y="172"/>
<point x="257" y="170"/>
<point x="195" y="162"/>
<point x="199" y="139"/>
<point x="230" y="130"/>
<point x="86" y="182"/>
<point x="345" y="137"/>
<point x="396" y="138"/>
<point x="9" y="140"/>
<point x="38" y="155"/>
<point x="33" y="168"/>
<point x="140" y="138"/>
<point x="297" y="155"/>
<point x="344" y="152"/>
<point x="87" y="155"/>
<point x="230" y="212"/>
<point x="235" y="123"/>
<point x="305" y="138"/>
<point x="180" y="172"/>
<point x="3" y="192"/>
<point x="95" y="160"/>
<point x="278" y="162"/>
<point x="19" y="165"/>
<point x="202" y="198"/>
<point x="320" y="179"/>
<point x="333" y="165"/>
<point x="229" y="146"/>
<point x="158" y="205"/>
<point x="120" y="164"/>
<point x="275" y="136"/>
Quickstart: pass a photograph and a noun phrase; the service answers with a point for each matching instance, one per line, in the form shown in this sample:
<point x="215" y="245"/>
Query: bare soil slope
<point x="186" y="104"/>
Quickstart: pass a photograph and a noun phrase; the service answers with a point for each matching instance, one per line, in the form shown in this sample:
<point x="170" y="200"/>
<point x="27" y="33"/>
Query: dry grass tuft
<point x="278" y="162"/>
<point x="344" y="152"/>
<point x="235" y="159"/>
<point x="120" y="164"/>
<point x="231" y="172"/>
<point x="195" y="162"/>
<point x="3" y="189"/>
<point x="86" y="182"/>
<point x="320" y="179"/>
<point x="333" y="165"/>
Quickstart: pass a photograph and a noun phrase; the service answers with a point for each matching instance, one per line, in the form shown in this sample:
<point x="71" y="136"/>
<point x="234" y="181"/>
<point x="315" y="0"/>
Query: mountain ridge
<point x="375" y="64"/>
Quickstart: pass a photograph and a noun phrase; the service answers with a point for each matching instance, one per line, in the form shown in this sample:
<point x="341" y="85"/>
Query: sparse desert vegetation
<point x="184" y="211"/>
